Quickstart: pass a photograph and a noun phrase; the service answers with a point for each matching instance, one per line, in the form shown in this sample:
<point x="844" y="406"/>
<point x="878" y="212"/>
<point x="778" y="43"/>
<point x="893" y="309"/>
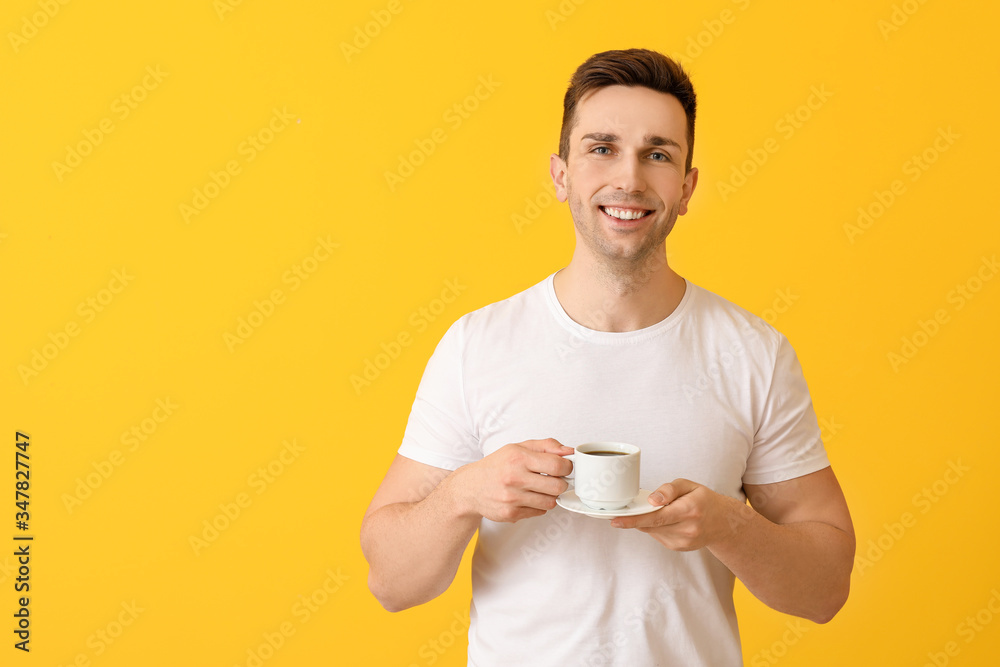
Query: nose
<point x="628" y="175"/>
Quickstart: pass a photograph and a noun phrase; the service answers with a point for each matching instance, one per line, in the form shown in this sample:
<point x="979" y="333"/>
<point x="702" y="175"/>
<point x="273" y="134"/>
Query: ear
<point x="690" y="182"/>
<point x="557" y="169"/>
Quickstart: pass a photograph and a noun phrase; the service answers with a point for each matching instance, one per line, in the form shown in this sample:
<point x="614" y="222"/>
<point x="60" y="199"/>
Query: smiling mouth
<point x="625" y="213"/>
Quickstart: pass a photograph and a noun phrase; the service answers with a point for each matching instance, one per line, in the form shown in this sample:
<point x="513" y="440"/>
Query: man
<point x="616" y="346"/>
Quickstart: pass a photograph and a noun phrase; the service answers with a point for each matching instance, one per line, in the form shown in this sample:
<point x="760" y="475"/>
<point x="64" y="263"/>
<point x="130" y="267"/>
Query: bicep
<point x="813" y="497"/>
<point x="406" y="481"/>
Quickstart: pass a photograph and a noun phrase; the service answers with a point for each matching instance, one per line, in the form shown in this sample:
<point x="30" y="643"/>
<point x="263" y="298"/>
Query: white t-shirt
<point x="712" y="394"/>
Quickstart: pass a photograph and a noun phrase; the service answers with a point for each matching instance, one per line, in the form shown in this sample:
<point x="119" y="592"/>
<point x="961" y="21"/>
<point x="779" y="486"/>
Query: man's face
<point x="624" y="176"/>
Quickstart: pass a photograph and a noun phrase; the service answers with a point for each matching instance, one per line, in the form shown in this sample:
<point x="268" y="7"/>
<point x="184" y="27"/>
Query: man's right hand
<point x="515" y="482"/>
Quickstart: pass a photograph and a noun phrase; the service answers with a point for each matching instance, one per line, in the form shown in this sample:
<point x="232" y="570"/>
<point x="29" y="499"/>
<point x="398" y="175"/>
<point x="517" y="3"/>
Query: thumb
<point x="668" y="493"/>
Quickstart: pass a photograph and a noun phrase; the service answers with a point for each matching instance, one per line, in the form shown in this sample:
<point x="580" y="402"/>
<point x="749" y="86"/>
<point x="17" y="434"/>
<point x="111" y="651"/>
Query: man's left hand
<point x="692" y="516"/>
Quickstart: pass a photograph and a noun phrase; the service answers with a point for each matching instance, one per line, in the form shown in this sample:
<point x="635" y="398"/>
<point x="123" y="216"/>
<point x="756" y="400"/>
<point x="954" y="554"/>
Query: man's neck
<point x="606" y="298"/>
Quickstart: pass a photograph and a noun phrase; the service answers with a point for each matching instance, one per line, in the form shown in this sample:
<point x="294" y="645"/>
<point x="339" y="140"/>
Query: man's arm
<point x="413" y="535"/>
<point x="794" y="549"/>
<point x="422" y="518"/>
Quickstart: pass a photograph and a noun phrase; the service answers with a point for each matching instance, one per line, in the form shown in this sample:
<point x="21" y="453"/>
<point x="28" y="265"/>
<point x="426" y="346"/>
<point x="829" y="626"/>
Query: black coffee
<point x="606" y="453"/>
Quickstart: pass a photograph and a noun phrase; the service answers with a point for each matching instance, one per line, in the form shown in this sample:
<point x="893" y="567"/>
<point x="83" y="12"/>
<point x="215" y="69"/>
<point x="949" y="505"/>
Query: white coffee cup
<point x="606" y="474"/>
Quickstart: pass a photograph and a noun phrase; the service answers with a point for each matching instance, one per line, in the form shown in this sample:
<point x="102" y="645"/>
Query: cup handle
<point x="571" y="477"/>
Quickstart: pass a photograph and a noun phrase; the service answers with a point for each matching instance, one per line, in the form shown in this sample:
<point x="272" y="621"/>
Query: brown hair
<point x="631" y="67"/>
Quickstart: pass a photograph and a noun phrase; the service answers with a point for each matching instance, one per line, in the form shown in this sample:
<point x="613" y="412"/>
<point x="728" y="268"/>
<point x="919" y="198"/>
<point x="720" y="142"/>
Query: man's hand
<point x="515" y="482"/>
<point x="793" y="549"/>
<point x="692" y="516"/>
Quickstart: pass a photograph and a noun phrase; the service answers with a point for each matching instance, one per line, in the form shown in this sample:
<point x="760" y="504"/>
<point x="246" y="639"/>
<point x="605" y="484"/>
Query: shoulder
<point x="717" y="316"/>
<point x="501" y="318"/>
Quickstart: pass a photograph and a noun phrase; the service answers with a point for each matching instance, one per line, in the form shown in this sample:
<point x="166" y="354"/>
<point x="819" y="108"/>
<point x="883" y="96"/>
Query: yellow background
<point x="893" y="430"/>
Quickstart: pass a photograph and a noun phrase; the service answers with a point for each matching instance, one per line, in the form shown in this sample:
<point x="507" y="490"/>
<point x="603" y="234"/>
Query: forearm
<point x="802" y="569"/>
<point x="414" y="549"/>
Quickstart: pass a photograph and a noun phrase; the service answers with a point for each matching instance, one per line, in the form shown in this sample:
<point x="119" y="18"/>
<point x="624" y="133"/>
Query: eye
<point x="660" y="157"/>
<point x="598" y="149"/>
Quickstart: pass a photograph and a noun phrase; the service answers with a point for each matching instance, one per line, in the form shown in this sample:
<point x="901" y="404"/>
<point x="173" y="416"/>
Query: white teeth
<point x="623" y="213"/>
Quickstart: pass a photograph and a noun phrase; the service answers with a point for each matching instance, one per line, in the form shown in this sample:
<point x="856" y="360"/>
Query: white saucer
<point x="572" y="502"/>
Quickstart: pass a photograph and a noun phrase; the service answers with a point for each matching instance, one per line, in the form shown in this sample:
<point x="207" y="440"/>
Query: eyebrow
<point x="649" y="139"/>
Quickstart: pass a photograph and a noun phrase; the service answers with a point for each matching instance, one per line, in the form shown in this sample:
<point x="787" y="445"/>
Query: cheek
<point x="669" y="191"/>
<point x="586" y="173"/>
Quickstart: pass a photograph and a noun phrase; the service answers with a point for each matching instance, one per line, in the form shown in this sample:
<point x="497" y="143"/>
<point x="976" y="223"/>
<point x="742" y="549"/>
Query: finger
<point x="547" y="485"/>
<point x="548" y="445"/>
<point x="658" y="519"/>
<point x="537" y="501"/>
<point x="537" y="456"/>
<point x="548" y="463"/>
<point x="512" y="515"/>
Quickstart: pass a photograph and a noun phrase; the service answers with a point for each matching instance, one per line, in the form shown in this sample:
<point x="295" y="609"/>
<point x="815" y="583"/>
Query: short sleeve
<point x="787" y="443"/>
<point x="439" y="431"/>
